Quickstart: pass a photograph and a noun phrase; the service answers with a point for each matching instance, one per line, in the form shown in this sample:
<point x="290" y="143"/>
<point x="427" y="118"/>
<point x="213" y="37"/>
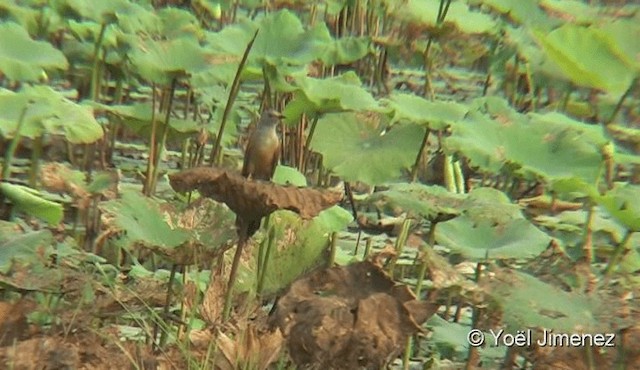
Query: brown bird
<point x="263" y="149"/>
<point x="261" y="158"/>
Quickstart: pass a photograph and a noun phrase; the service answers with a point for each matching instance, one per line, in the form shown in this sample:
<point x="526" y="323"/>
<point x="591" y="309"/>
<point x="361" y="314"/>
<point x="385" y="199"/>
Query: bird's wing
<point x="276" y="158"/>
<point x="248" y="153"/>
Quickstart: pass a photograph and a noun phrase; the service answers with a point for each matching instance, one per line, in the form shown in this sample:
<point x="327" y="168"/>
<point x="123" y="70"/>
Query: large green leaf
<point x="283" y="40"/>
<point x="623" y="203"/>
<point x="47" y="111"/>
<point x="143" y="222"/>
<point x="24" y="59"/>
<point x="526" y="12"/>
<point x="625" y="33"/>
<point x="434" y="203"/>
<point x="425" y="13"/>
<point x="359" y="147"/>
<point x="491" y="227"/>
<point x="547" y="146"/>
<point x="479" y="241"/>
<point x="32" y="203"/>
<point x="588" y="57"/>
<point x="138" y="117"/>
<point x="315" y="96"/>
<point x="527" y="302"/>
<point x="97" y="11"/>
<point x="162" y="61"/>
<point x="345" y="50"/>
<point x="436" y="115"/>
<point x="299" y="247"/>
<point x="23" y="247"/>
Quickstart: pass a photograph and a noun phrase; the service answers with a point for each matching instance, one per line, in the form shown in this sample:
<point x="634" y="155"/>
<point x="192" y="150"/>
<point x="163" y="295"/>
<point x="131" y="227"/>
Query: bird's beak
<point x="277" y="114"/>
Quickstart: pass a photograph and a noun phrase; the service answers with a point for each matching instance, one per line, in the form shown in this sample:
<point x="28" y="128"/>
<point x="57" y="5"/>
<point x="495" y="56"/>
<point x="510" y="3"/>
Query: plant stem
<point x="617" y="253"/>
<point x="232" y="277"/>
<point x="473" y="356"/>
<point x="152" y="142"/>
<point x="235" y="87"/>
<point x="400" y="242"/>
<point x="265" y="259"/>
<point x="307" y="144"/>
<point x="333" y="249"/>
<point x="165" y="311"/>
<point x="95" y="71"/>
<point x="11" y="149"/>
<point x="624" y="96"/>
<point x="414" y="170"/>
<point x="165" y="133"/>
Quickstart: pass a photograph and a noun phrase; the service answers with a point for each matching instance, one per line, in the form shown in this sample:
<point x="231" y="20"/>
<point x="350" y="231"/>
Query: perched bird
<point x="261" y="158"/>
<point x="263" y="148"/>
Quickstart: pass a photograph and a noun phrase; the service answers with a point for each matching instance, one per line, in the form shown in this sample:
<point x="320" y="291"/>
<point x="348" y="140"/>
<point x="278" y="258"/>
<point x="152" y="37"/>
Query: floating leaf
<point x="338" y="94"/>
<point x="26" y="248"/>
<point x="143" y="222"/>
<point x="581" y="53"/>
<point x="30" y="201"/>
<point x="425" y="14"/>
<point x="360" y="148"/>
<point x="161" y="61"/>
<point x="527" y="302"/>
<point x="623" y="203"/>
<point x="47" y="111"/>
<point x="434" y="203"/>
<point x="436" y="115"/>
<point x="23" y="59"/>
<point x="548" y="146"/>
<point x="479" y="241"/>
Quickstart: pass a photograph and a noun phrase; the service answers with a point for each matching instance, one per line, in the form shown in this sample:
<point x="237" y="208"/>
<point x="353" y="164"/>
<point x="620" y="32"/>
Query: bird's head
<point x="270" y="117"/>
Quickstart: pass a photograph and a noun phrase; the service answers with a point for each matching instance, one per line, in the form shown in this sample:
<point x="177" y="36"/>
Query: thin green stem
<point x="11" y="149"/>
<point x="226" y="312"/>
<point x="307" y="144"/>
<point x="617" y="253"/>
<point x="265" y="258"/>
<point x="423" y="146"/>
<point x="95" y="72"/>
<point x="233" y="93"/>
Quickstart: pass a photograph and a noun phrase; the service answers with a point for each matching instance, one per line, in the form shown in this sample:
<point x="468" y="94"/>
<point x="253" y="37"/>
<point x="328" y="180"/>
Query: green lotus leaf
<point x="25" y="248"/>
<point x="548" y="146"/>
<point x="300" y="247"/>
<point x="436" y="115"/>
<point x="283" y="40"/>
<point x="359" y="148"/>
<point x="345" y="50"/>
<point x="527" y="302"/>
<point x="337" y="94"/>
<point x="623" y="203"/>
<point x="162" y="61"/>
<point x="25" y="16"/>
<point x="482" y="240"/>
<point x="31" y="202"/>
<point x="431" y="202"/>
<point x="577" y="11"/>
<point x="624" y="32"/>
<point x="489" y="204"/>
<point x="425" y="13"/>
<point x="138" y="118"/>
<point x="47" y="111"/>
<point x="98" y="11"/>
<point x="24" y="59"/>
<point x="523" y="11"/>
<point x="143" y="222"/>
<point x="581" y="53"/>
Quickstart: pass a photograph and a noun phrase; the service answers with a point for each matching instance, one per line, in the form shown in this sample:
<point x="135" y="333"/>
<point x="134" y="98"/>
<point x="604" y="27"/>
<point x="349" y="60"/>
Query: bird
<point x="261" y="159"/>
<point x="263" y="148"/>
